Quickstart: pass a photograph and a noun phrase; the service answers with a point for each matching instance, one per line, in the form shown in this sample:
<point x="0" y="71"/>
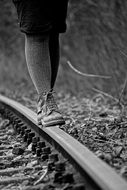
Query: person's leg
<point x="42" y="51"/>
<point x="39" y="66"/>
<point x="38" y="61"/>
<point x="54" y="56"/>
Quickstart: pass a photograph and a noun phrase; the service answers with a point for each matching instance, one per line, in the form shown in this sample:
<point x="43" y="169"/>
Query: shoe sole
<point x="52" y="123"/>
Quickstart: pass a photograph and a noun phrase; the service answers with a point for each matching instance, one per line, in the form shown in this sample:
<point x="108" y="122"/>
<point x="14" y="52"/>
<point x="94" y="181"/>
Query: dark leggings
<point x="42" y="56"/>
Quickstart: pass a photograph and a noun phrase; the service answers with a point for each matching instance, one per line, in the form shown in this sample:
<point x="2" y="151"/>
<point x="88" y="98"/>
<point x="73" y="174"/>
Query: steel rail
<point x="101" y="174"/>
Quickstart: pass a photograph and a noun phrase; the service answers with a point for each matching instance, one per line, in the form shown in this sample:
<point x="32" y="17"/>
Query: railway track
<point x="48" y="158"/>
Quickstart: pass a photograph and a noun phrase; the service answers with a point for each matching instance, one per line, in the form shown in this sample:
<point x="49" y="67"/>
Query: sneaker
<point x="48" y="113"/>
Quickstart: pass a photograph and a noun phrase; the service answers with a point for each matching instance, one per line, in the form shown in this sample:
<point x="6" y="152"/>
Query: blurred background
<point x="95" y="43"/>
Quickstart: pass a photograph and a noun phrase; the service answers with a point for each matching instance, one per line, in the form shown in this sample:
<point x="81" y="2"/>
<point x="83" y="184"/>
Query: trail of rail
<point x="32" y="157"/>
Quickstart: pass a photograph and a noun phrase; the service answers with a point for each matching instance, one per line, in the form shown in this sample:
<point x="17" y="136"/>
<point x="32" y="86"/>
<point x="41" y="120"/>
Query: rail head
<point x="102" y="174"/>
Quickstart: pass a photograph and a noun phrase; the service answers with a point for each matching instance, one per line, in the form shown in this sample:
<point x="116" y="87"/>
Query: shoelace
<point x="50" y="102"/>
<point x="49" y="99"/>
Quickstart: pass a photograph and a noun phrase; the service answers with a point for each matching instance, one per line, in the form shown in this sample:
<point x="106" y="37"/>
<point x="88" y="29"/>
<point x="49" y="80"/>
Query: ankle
<point x="44" y="95"/>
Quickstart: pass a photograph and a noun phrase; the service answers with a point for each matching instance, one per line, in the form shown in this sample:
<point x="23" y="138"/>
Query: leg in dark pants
<point x="42" y="21"/>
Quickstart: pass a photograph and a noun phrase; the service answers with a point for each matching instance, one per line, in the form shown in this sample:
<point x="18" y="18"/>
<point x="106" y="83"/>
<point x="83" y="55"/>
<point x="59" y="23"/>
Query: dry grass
<point x="94" y="41"/>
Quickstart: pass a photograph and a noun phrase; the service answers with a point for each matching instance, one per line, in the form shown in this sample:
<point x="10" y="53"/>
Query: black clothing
<point x="38" y="16"/>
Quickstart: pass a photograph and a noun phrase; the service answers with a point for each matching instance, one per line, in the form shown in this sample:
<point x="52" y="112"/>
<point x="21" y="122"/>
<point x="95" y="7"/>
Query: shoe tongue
<point x="51" y="102"/>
